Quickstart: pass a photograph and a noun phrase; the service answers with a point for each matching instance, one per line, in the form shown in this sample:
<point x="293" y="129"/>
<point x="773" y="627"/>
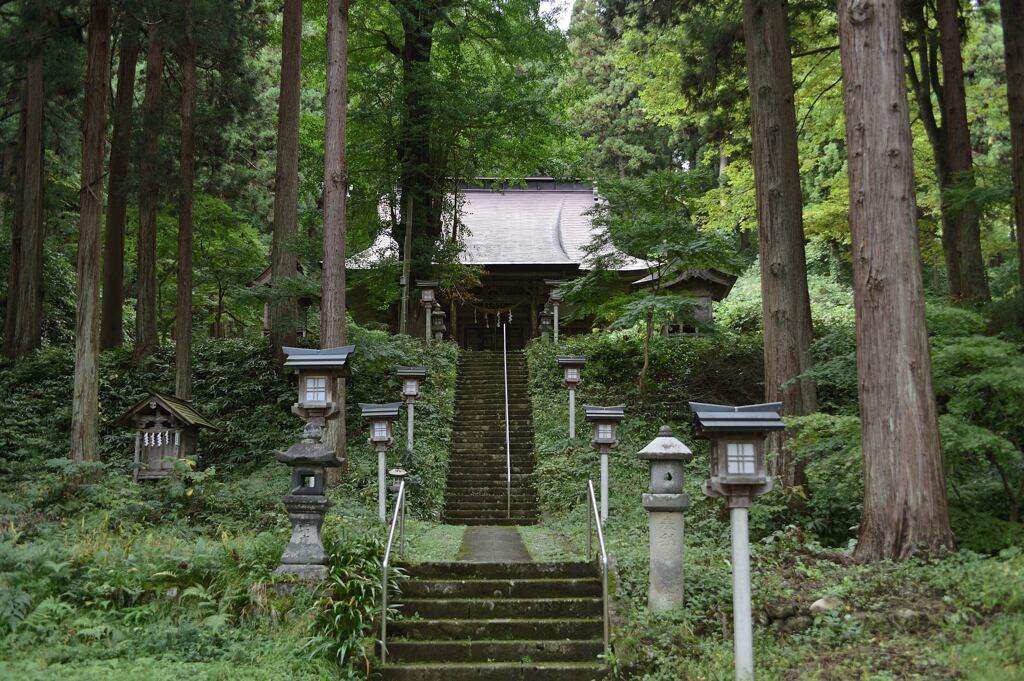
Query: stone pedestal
<point x="305" y="556"/>
<point x="666" y="526"/>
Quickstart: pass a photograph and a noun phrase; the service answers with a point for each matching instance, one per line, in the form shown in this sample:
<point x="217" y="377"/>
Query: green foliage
<point x="344" y="614"/>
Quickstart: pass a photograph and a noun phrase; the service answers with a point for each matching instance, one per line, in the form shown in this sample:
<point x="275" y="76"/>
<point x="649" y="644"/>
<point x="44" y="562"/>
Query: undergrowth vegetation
<point x="102" y="578"/>
<point x="958" y="617"/>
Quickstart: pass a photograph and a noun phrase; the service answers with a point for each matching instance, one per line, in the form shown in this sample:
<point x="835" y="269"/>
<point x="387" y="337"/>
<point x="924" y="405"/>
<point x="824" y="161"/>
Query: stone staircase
<point x="477" y="480"/>
<point x="497" y="622"/>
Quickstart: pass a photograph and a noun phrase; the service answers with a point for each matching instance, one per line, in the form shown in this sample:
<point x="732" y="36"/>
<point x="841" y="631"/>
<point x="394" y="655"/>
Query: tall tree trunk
<point x="11" y="309"/>
<point x="284" y="312"/>
<point x="785" y="300"/>
<point x="950" y="141"/>
<point x="959" y="160"/>
<point x="183" y="307"/>
<point x="333" y="330"/>
<point x="112" y="325"/>
<point x="905" y="509"/>
<point x="84" y="407"/>
<point x="1013" y="45"/>
<point x="146" y="339"/>
<point x="27" y="295"/>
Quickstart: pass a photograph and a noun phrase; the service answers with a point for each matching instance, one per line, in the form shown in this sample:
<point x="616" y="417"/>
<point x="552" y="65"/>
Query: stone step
<point x="493" y="651"/>
<point x="495" y="671"/>
<point x="471" y="479"/>
<point x="534" y="570"/>
<point x="482" y="508"/>
<point x="511" y="608"/>
<point x="491" y="521"/>
<point x="497" y="513"/>
<point x="567" y="587"/>
<point x="497" y="629"/>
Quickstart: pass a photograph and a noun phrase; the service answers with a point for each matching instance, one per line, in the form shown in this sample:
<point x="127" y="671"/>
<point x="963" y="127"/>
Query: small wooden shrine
<point x="166" y="429"/>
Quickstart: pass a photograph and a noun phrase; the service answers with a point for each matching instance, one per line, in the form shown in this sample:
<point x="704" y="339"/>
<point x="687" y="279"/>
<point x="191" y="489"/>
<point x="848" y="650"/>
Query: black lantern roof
<point x="412" y="372"/>
<point x="309" y="358"/>
<point x="571" y="360"/>
<point x="604" y="413"/>
<point x="388" y="410"/>
<point x="721" y="418"/>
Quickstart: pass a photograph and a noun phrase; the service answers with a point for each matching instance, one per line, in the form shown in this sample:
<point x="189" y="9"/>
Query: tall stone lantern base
<point x="306" y="503"/>
<point x="305" y="557"/>
<point x="666" y="526"/>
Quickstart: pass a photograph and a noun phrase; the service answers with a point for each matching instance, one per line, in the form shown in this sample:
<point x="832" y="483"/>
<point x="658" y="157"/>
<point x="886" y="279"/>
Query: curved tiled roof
<point x="545" y="223"/>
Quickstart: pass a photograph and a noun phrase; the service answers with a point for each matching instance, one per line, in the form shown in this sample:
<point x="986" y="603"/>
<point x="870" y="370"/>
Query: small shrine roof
<point x="181" y="409"/>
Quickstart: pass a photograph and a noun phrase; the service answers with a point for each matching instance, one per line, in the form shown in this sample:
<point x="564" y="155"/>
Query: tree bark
<point x="950" y="141"/>
<point x="905" y="508"/>
<point x="959" y="160"/>
<point x="183" y="307"/>
<point x="112" y="325"/>
<point x="11" y="309"/>
<point x="785" y="300"/>
<point x="27" y="294"/>
<point x="1013" y="45"/>
<point x="284" y="313"/>
<point x="84" y="408"/>
<point x="146" y="339"/>
<point x="333" y="331"/>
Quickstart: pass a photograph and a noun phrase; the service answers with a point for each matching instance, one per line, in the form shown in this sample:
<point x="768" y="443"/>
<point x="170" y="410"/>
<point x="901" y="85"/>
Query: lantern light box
<point x="317" y="371"/>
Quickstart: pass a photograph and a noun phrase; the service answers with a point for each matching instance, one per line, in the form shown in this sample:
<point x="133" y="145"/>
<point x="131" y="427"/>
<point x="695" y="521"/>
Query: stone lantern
<point x="606" y="423"/>
<point x="738" y="473"/>
<point x="411" y="378"/>
<point x="556" y="298"/>
<point x="572" y="366"/>
<point x="438" y="324"/>
<point x="306" y="502"/>
<point x="428" y="290"/>
<point x="665" y="502"/>
<point x="382" y="418"/>
<point x="545" y="324"/>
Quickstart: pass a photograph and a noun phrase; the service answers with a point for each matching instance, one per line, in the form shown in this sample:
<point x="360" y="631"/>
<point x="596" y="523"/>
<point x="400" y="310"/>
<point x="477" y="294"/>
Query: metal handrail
<point x="399" y="513"/>
<point x="508" y="445"/>
<point x="593" y="513"/>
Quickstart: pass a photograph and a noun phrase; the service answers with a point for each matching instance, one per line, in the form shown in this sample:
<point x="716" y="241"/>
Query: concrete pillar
<point x="743" y="626"/>
<point x="555" y="305"/>
<point x="409" y="427"/>
<point x="572" y="413"/>
<point x="429" y="321"/>
<point x="381" y="485"/>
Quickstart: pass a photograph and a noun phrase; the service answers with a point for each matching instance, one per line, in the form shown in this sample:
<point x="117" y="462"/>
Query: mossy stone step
<point x="511" y="608"/>
<point x="496" y="671"/>
<point x="532" y="570"/>
<point x="497" y="629"/>
<point x="502" y="588"/>
<point x="492" y="651"/>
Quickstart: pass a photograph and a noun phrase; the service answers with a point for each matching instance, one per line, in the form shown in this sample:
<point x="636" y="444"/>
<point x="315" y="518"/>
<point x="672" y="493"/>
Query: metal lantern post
<point x="738" y="473"/>
<point x="606" y="423"/>
<point x="382" y="418"/>
<point x="572" y="365"/>
<point x="427" y="298"/>
<point x="306" y="502"/>
<point x="665" y="502"/>
<point x="411" y="378"/>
